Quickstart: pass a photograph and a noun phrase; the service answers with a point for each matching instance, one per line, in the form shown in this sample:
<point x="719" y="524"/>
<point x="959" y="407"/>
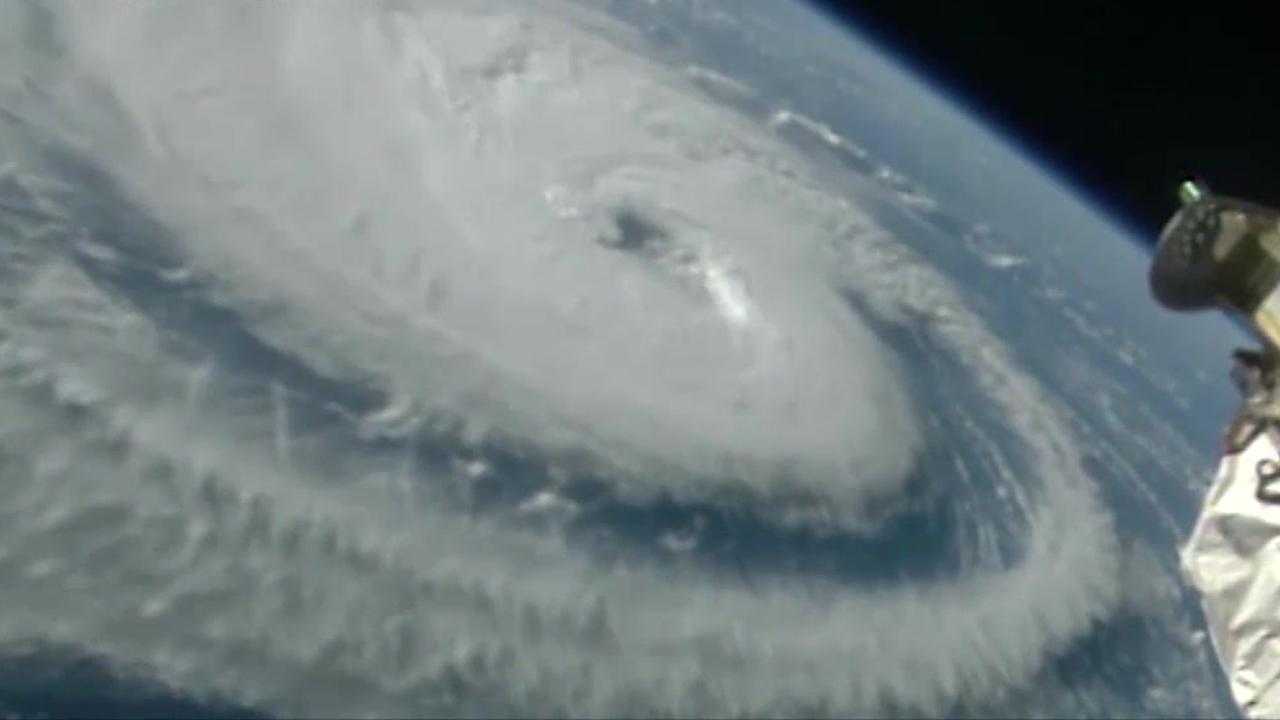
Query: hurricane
<point x="470" y="359"/>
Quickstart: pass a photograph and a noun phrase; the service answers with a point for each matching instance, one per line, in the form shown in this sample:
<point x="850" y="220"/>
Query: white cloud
<point x="418" y="199"/>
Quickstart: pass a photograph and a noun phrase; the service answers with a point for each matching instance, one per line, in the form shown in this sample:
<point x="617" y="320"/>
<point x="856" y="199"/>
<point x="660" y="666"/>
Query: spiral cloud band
<point x="315" y="319"/>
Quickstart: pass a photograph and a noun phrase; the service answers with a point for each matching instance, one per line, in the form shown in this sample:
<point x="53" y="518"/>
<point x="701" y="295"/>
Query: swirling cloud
<point x="505" y="228"/>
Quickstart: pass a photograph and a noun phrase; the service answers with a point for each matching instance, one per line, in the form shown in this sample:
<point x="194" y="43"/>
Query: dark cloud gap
<point x="39" y="679"/>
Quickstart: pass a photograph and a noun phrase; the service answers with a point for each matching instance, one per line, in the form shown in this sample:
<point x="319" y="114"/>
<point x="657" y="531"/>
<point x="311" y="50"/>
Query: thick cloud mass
<point x="538" y="230"/>
<point x="509" y="227"/>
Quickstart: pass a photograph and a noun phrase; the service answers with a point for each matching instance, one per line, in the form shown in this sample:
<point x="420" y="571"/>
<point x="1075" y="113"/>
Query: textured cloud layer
<point x="513" y="228"/>
<point x="512" y="219"/>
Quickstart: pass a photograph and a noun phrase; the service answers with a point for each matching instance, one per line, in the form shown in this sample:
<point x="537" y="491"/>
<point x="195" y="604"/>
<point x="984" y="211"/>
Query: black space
<point x="1124" y="99"/>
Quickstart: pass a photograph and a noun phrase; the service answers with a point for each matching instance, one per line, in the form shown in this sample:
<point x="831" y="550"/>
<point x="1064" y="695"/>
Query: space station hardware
<point x="1219" y="252"/>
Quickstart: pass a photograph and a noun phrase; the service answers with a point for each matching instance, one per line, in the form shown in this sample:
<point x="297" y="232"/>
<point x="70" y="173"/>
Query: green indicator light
<point x="1192" y="191"/>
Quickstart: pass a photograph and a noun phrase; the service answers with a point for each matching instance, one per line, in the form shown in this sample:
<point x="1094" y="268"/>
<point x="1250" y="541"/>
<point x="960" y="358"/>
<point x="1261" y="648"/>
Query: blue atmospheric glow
<point x="998" y="128"/>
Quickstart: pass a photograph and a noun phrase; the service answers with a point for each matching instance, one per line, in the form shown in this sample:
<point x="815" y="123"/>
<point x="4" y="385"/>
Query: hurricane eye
<point x="633" y="232"/>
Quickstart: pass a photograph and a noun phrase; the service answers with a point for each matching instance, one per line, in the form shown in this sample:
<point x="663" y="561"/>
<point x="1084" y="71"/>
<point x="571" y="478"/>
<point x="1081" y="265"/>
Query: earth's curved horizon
<point x="662" y="358"/>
